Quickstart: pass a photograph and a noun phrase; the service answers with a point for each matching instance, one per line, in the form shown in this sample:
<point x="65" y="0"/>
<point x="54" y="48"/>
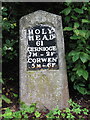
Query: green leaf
<point x="72" y="53"/>
<point x="77" y="10"/>
<point x="80" y="72"/>
<point x="81" y="84"/>
<point x="76" y="25"/>
<point x="67" y="18"/>
<point x="37" y="114"/>
<point x="74" y="37"/>
<point x="82" y="33"/>
<point x="68" y="29"/>
<point x="4" y="14"/>
<point x="66" y="11"/>
<point x="8" y="113"/>
<point x="84" y="8"/>
<point x="8" y="42"/>
<point x="74" y="17"/>
<point x="15" y="95"/>
<point x="76" y="32"/>
<point x="87" y="34"/>
<point x="5" y="47"/>
<point x="85" y="75"/>
<point x="82" y="90"/>
<point x="85" y="21"/>
<point x="75" y="57"/>
<point x="23" y="105"/>
<point x="73" y="78"/>
<point x="63" y="115"/>
<point x="13" y="25"/>
<point x="31" y="109"/>
<point x="7" y="100"/>
<point x="17" y="114"/>
<point x="56" y="111"/>
<point x="25" y="116"/>
<point x="67" y="110"/>
<point x="84" y="57"/>
<point x="4" y="9"/>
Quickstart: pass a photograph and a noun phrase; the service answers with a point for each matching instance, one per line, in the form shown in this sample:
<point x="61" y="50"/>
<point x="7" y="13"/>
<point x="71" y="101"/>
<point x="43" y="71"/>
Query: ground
<point x="10" y="88"/>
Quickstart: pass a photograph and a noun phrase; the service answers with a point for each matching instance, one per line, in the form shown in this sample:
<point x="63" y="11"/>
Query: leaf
<point x="5" y="47"/>
<point x="8" y="113"/>
<point x="83" y="40"/>
<point x="68" y="29"/>
<point x="67" y="18"/>
<point x="8" y="42"/>
<point x="80" y="71"/>
<point x="72" y="53"/>
<point x="76" y="57"/>
<point x="76" y="25"/>
<point x="73" y="78"/>
<point x="4" y="9"/>
<point x="15" y="24"/>
<point x="17" y="114"/>
<point x="37" y="114"/>
<point x="84" y="57"/>
<point x="66" y="11"/>
<point x="5" y="19"/>
<point x="77" y="10"/>
<point x="15" y="95"/>
<point x="67" y="110"/>
<point x="81" y="84"/>
<point x="85" y="75"/>
<point x="82" y="90"/>
<point x="76" y="32"/>
<point x="85" y="21"/>
<point x="85" y="8"/>
<point x="23" y="105"/>
<point x="26" y="116"/>
<point x="87" y="34"/>
<point x="74" y="17"/>
<point x="31" y="109"/>
<point x="7" y="100"/>
<point x="63" y="115"/>
<point x="74" y="37"/>
<point x="82" y="33"/>
<point x="4" y="14"/>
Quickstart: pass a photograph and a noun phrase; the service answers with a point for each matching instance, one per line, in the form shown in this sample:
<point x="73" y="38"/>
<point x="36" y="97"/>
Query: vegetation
<point x="76" y="22"/>
<point x="77" y="31"/>
<point x="31" y="112"/>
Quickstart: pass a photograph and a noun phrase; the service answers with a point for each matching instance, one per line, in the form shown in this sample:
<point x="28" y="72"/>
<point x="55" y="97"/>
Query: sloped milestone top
<point x="40" y="17"/>
<point x="28" y="23"/>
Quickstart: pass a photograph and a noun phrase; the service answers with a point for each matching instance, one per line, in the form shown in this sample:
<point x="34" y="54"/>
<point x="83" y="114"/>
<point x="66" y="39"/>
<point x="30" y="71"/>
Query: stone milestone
<point x="43" y="76"/>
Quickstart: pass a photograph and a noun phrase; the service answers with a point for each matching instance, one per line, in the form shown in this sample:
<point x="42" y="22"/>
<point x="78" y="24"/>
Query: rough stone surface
<point x="47" y="88"/>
